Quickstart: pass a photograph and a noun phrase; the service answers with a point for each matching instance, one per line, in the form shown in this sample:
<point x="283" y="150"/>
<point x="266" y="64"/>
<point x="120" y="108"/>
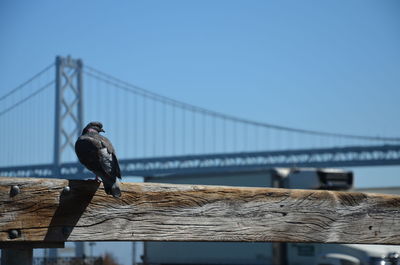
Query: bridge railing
<point x="189" y="164"/>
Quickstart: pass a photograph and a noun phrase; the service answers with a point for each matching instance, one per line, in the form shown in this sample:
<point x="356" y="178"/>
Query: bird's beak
<point x="101" y="130"/>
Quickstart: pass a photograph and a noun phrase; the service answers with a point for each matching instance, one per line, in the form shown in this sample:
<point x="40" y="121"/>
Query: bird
<point x="97" y="154"/>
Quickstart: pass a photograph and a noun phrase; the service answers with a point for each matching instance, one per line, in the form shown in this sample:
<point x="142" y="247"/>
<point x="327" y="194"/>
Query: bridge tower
<point x="68" y="106"/>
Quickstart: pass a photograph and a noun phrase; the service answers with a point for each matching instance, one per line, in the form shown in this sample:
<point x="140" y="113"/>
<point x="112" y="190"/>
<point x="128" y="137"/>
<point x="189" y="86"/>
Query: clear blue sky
<point x="320" y="65"/>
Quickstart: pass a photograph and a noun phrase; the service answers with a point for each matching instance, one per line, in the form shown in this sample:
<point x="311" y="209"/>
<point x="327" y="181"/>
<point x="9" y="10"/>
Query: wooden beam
<point x="43" y="210"/>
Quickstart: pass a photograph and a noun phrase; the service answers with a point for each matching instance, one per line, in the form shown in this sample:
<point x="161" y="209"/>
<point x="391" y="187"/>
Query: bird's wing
<point x="108" y="158"/>
<point x="117" y="170"/>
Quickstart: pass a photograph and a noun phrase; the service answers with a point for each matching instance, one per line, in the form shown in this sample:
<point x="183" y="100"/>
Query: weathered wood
<point x="41" y="211"/>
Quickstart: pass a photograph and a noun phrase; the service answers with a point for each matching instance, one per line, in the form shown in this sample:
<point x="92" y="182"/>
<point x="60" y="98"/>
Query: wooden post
<point x="279" y="249"/>
<point x="56" y="210"/>
<point x="21" y="253"/>
<point x="16" y="256"/>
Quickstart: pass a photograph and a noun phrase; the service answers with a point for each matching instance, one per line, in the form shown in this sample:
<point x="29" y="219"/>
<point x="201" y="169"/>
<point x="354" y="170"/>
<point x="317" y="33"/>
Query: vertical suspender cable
<point x="204" y="133"/>
<point x="235" y="136"/>
<point x="183" y="131"/>
<point x="245" y="140"/>
<point x="194" y="132"/>
<point x="164" y="130"/>
<point x="214" y="133"/>
<point x="144" y="125"/>
<point x="224" y="136"/>
<point x="154" y="127"/>
<point x="173" y="129"/>
<point x="136" y="124"/>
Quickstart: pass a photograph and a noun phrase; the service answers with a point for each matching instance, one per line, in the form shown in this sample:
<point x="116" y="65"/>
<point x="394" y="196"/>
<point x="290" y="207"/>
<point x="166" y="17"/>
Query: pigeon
<point x="97" y="154"/>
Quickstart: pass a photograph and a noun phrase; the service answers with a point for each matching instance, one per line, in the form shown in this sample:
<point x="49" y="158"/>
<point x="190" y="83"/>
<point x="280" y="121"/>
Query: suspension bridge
<point x="156" y="135"/>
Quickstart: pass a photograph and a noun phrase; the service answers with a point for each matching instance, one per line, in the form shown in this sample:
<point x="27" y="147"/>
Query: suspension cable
<point x="36" y="92"/>
<point x="12" y="91"/>
<point x="144" y="92"/>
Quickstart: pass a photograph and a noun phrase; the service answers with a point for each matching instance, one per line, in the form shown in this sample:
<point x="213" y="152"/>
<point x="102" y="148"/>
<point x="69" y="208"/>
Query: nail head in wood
<point x="66" y="189"/>
<point x="14" y="190"/>
<point x="14" y="233"/>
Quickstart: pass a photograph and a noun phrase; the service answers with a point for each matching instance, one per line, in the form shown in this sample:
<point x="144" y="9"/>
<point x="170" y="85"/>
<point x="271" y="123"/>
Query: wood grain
<point x="42" y="212"/>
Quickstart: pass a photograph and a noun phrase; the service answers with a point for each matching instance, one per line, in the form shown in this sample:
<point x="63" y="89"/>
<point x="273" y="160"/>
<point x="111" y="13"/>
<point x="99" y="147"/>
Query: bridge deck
<point x="328" y="157"/>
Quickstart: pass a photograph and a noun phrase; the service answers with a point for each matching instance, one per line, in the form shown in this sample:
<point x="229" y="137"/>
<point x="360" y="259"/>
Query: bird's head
<point x="93" y="126"/>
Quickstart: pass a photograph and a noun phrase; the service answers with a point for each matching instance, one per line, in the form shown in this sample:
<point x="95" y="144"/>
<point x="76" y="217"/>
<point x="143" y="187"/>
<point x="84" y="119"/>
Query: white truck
<point x="196" y="253"/>
<point x="353" y="254"/>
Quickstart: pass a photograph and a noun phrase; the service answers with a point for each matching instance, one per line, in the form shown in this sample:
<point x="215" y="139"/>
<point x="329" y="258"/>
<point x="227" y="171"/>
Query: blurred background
<point x="178" y="84"/>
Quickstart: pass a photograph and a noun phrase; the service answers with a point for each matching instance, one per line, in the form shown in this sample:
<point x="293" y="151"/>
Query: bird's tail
<point x="112" y="188"/>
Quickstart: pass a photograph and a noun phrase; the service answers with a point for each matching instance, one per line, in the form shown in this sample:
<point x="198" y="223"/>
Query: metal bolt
<point x="14" y="190"/>
<point x="66" y="189"/>
<point x="12" y="234"/>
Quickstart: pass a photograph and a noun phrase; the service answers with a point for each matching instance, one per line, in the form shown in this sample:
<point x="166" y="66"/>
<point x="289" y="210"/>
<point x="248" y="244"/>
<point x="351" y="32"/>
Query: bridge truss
<point x="192" y="164"/>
